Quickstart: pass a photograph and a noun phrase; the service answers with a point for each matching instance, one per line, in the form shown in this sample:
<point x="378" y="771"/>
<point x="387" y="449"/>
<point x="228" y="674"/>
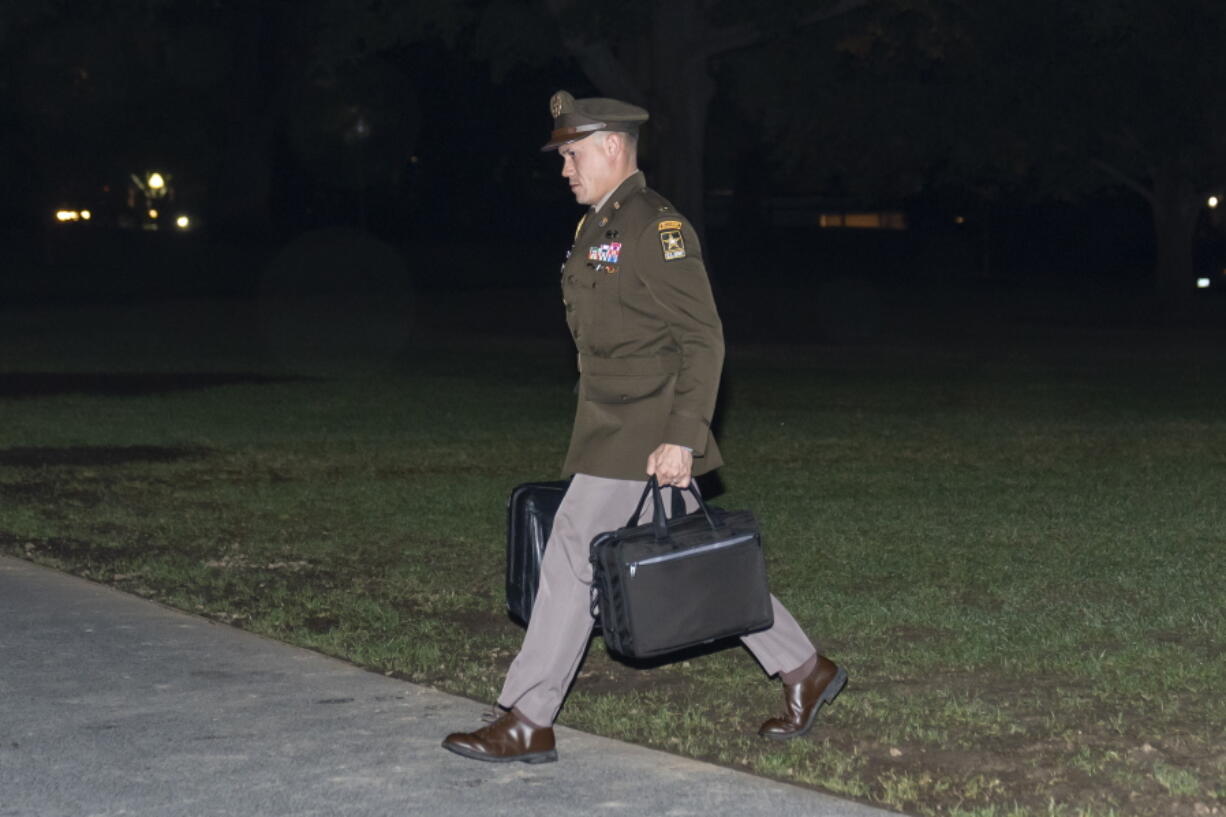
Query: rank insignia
<point x="671" y="241"/>
<point x="670" y="225"/>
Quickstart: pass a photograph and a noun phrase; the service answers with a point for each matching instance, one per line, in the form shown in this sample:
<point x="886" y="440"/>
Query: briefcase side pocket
<point x="608" y="594"/>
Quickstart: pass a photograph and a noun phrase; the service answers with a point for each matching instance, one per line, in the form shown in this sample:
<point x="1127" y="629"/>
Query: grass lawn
<point x="1013" y="540"/>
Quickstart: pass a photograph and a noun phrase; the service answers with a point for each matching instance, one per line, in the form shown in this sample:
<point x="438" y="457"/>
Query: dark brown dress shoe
<point x="803" y="700"/>
<point x="505" y="740"/>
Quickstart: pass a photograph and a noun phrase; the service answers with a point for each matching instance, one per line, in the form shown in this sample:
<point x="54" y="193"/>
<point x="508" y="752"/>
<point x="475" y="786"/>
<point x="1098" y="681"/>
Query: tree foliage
<point x="888" y="97"/>
<point x="1048" y="97"/>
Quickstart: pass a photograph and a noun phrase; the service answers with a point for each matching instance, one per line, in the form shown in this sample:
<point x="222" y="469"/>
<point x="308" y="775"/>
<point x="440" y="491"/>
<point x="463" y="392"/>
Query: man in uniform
<point x="650" y="343"/>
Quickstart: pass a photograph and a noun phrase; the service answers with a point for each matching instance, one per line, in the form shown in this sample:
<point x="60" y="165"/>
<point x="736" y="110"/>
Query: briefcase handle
<point x="659" y="521"/>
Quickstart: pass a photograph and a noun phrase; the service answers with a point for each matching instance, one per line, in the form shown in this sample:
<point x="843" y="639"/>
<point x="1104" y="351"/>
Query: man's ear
<point x="614" y="144"/>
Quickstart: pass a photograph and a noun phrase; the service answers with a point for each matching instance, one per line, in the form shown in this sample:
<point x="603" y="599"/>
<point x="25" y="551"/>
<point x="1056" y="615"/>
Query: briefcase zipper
<point x="668" y="557"/>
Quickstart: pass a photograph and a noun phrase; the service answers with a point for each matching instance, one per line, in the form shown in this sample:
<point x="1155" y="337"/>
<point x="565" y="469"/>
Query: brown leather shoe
<point x="803" y="700"/>
<point x="504" y="740"/>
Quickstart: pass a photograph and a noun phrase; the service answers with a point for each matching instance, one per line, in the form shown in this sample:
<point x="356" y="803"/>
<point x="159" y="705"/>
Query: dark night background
<point x="970" y="260"/>
<point x="1043" y="155"/>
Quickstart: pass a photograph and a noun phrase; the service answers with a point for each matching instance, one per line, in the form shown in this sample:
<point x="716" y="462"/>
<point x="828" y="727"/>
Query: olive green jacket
<point x="651" y="347"/>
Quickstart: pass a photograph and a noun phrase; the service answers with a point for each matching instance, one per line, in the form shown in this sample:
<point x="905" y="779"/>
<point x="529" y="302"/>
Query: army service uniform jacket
<point x="640" y="309"/>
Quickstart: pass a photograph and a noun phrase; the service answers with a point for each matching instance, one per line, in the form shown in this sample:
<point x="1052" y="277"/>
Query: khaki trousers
<point x="561" y="622"/>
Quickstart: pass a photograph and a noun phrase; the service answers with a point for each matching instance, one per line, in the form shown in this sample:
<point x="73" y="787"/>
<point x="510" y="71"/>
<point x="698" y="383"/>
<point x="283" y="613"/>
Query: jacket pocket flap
<point x="609" y="388"/>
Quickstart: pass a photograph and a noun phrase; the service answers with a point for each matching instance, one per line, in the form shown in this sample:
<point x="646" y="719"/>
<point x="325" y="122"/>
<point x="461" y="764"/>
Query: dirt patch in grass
<point x="78" y="554"/>
<point x="478" y="622"/>
<point x="48" y="492"/>
<point x="27" y="385"/>
<point x="1085" y="770"/>
<point x="72" y="550"/>
<point x="93" y="456"/>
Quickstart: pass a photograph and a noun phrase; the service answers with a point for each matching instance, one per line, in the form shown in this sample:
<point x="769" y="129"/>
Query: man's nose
<point x="568" y="169"/>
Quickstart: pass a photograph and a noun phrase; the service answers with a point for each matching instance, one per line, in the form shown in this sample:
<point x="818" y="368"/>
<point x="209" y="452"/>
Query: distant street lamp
<point x="1213" y="202"/>
<point x="156" y="182"/>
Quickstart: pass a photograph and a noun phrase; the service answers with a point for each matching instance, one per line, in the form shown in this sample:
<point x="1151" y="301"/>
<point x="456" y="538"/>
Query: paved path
<point x="113" y="705"/>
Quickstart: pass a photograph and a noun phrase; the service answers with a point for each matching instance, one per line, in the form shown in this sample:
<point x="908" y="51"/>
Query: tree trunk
<point x="1176" y="211"/>
<point x="680" y="97"/>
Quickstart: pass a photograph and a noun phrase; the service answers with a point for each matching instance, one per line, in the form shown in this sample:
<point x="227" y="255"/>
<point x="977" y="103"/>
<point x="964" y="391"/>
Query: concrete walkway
<point x="113" y="705"/>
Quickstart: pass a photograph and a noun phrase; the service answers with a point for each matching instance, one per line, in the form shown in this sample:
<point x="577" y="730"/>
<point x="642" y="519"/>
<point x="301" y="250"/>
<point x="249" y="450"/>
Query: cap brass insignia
<point x="560" y="103"/>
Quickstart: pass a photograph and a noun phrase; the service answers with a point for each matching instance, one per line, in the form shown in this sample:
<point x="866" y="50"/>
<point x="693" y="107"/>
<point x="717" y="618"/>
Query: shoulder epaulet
<point x="658" y="202"/>
<point x="649" y="208"/>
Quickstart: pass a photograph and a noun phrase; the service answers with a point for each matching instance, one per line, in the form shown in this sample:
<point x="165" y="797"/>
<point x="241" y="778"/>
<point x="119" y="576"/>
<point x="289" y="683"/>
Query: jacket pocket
<point x="610" y="388"/>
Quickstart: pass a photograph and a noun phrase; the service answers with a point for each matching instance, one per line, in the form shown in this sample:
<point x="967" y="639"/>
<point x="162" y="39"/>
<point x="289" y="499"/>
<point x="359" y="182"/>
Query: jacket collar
<point x="635" y="182"/>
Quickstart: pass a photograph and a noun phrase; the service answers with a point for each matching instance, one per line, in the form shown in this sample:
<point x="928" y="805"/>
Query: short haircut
<point x="631" y="137"/>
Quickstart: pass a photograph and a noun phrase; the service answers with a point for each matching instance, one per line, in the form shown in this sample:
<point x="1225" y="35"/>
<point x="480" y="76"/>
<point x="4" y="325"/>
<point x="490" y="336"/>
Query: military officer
<point x="650" y="350"/>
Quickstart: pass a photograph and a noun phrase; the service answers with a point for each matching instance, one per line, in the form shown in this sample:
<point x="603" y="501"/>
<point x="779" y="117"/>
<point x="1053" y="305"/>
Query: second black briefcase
<point x="530" y="512"/>
<point x="678" y="583"/>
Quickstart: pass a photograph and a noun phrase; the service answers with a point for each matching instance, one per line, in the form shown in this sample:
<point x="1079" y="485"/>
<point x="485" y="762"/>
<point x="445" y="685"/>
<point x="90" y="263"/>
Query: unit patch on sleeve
<point x="671" y="241"/>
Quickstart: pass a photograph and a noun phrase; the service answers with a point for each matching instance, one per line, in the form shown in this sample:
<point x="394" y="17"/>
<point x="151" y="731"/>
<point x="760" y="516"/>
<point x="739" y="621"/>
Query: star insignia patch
<point x="672" y="243"/>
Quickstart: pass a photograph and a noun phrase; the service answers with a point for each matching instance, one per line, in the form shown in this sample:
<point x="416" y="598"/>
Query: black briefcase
<point x="678" y="583"/>
<point x="530" y="512"/>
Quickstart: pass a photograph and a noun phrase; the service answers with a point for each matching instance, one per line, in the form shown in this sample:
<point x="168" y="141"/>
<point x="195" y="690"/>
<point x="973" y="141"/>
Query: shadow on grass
<point x="677" y="656"/>
<point x="96" y="455"/>
<point x="19" y="385"/>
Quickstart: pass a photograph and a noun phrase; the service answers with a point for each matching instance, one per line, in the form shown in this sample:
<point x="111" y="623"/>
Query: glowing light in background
<point x="156" y="182"/>
<point x="183" y="222"/>
<point x="1202" y="283"/>
<point x="864" y="221"/>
